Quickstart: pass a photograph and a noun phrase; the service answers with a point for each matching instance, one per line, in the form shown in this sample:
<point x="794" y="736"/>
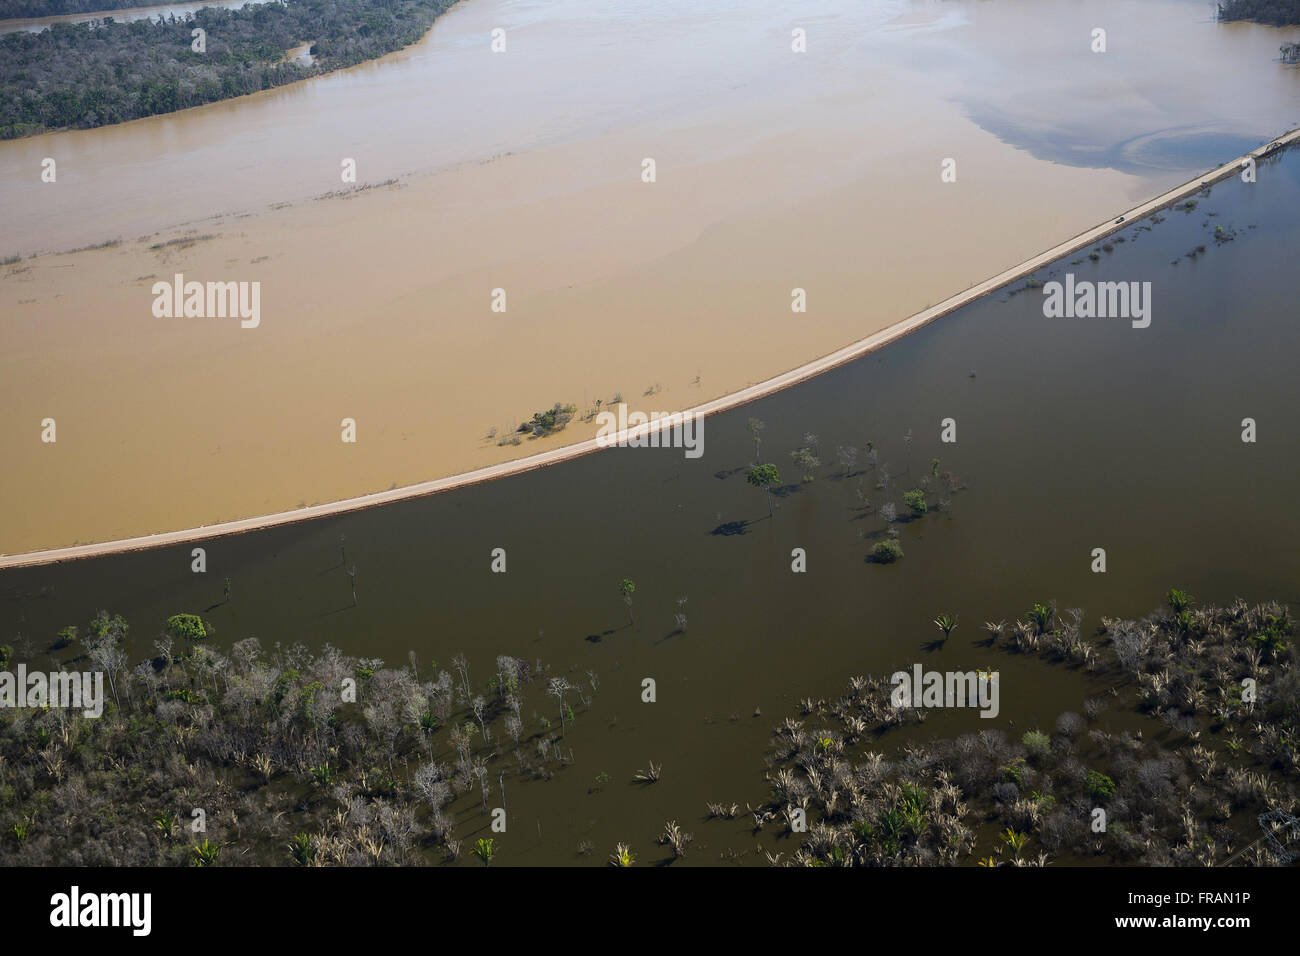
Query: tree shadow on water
<point x="729" y="528"/>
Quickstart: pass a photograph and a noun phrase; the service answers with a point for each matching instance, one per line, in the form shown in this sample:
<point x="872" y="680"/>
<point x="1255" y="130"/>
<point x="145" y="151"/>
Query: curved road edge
<point x="725" y="403"/>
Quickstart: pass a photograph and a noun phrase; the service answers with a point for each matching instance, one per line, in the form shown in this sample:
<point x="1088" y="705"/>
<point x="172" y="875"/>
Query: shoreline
<point x="825" y="363"/>
<point x="163" y="5"/>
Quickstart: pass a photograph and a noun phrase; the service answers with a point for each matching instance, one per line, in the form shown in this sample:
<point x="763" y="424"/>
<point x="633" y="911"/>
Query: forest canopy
<point x="101" y="72"/>
<point x="1277" y="13"/>
<point x="10" y="9"/>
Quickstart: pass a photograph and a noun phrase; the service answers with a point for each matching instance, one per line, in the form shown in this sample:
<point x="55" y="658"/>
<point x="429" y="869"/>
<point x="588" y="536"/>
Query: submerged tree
<point x="622" y="856"/>
<point x="1041" y="615"/>
<point x="104" y="645"/>
<point x="807" y="462"/>
<point x="806" y="457"/>
<point x="187" y="627"/>
<point x="886" y="552"/>
<point x="946" y="623"/>
<point x="756" y="426"/>
<point x="847" y="455"/>
<point x="764" y="476"/>
<point x="557" y="687"/>
<point x="627" y="587"/>
<point x="485" y="850"/>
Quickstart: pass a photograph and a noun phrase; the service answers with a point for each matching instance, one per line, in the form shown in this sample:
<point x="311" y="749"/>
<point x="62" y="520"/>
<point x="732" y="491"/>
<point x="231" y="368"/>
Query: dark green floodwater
<point x="1073" y="434"/>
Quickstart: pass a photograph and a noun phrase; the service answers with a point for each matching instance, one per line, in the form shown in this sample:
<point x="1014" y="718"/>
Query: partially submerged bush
<point x="886" y="552"/>
<point x="187" y="627"/>
<point x="1100" y="786"/>
<point x="1037" y="744"/>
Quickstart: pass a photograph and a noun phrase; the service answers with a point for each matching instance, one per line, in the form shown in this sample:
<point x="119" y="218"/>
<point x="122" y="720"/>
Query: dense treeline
<point x="10" y="9"/>
<point x="1203" y="790"/>
<point x="93" y="74"/>
<point x="285" y="755"/>
<point x="321" y="758"/>
<point x="1278" y="13"/>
